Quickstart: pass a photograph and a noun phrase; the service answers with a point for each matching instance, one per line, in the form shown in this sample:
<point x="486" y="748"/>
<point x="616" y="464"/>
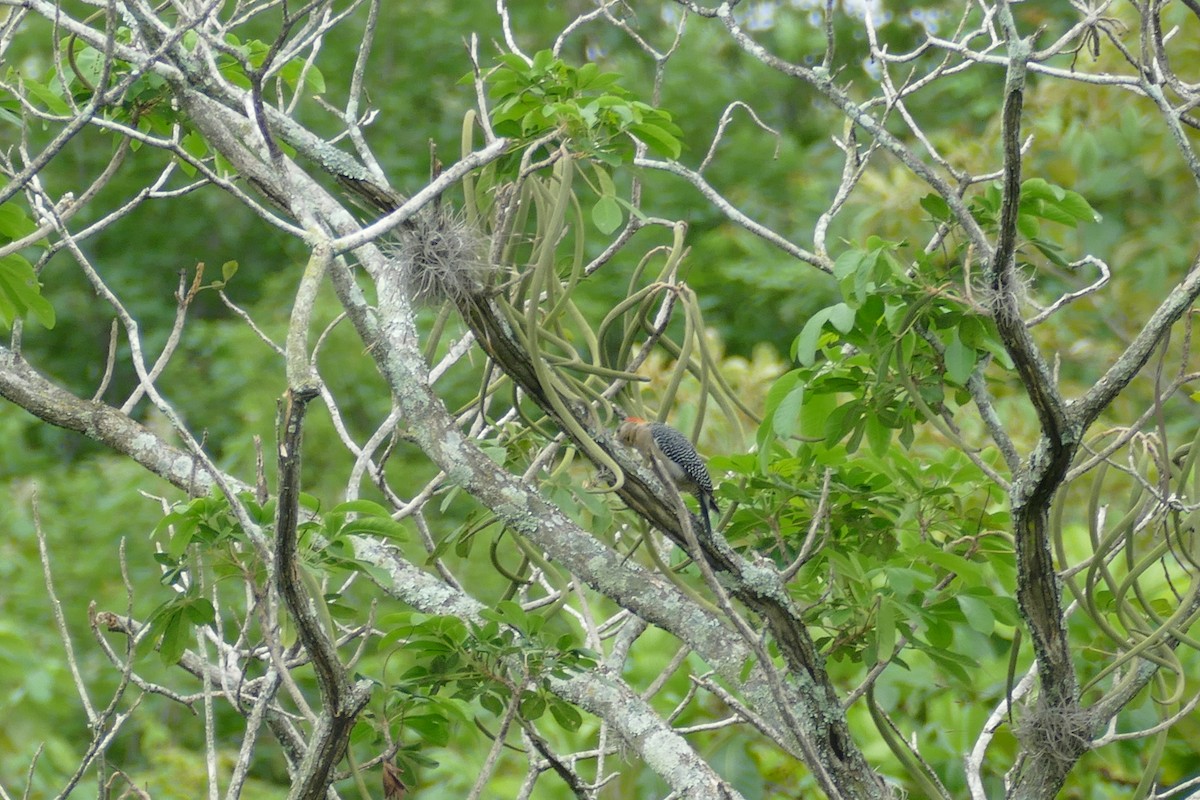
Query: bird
<point x="662" y="444"/>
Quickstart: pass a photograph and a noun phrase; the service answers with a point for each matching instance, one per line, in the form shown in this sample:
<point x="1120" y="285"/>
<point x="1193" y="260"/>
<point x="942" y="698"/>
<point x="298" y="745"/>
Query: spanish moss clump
<point x="1054" y="731"/>
<point x="441" y="256"/>
<point x="1020" y="284"/>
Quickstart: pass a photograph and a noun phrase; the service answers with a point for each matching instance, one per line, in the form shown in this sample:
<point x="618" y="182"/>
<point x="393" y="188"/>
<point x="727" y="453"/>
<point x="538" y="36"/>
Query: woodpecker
<point x="659" y="442"/>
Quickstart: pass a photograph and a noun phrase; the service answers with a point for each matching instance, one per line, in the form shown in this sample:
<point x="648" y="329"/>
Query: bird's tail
<point x="708" y="510"/>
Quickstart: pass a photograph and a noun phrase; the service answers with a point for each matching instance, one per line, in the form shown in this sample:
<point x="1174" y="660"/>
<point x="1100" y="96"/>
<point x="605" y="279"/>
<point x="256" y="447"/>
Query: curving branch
<point x="596" y="691"/>
<point x="1033" y="489"/>
<point x="713" y="196"/>
<point x="1101" y="394"/>
<point x="23" y="386"/>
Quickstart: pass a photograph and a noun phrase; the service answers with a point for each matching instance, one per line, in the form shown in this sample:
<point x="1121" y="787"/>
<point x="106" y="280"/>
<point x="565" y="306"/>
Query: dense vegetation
<point x="918" y="280"/>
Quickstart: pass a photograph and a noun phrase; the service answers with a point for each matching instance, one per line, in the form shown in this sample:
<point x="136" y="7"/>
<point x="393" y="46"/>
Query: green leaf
<point x="607" y="187"/>
<point x="939" y="634"/>
<point x="514" y="62"/>
<point x="542" y="60"/>
<point x="196" y="146"/>
<point x="815" y="415"/>
<point x="1056" y="203"/>
<point x="879" y="435"/>
<point x="294" y="70"/>
<point x="53" y="102"/>
<point x="565" y="715"/>
<point x="174" y="639"/>
<point x="1028" y="225"/>
<point x="969" y="571"/>
<point x="780" y="390"/>
<point x="90" y="63"/>
<point x="978" y="614"/>
<point x="847" y="263"/>
<point x="14" y="222"/>
<point x="508" y="612"/>
<point x="841" y="420"/>
<point x="20" y="292"/>
<point x="1050" y="250"/>
<point x="1040" y="189"/>
<point x="658" y="139"/>
<point x="1054" y="213"/>
<point x="606" y="214"/>
<point x="787" y="414"/>
<point x="433" y="728"/>
<point x="1004" y="609"/>
<point x="842" y="317"/>
<point x="894" y="313"/>
<point x="383" y="526"/>
<point x="1075" y="204"/>
<point x="493" y="703"/>
<point x="903" y="580"/>
<point x="958" y="666"/>
<point x="960" y="360"/>
<point x="351" y="506"/>
<point x="885" y="628"/>
<point x="804" y="348"/>
<point x="936" y="206"/>
<point x="532" y="706"/>
<point x="595" y="80"/>
<point x="201" y="611"/>
<point x="463" y="545"/>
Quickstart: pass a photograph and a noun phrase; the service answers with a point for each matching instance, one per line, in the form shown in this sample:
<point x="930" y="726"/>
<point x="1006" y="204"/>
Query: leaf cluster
<point x="582" y="104"/>
<point x="203" y="534"/>
<point x="505" y="661"/>
<point x="20" y="290"/>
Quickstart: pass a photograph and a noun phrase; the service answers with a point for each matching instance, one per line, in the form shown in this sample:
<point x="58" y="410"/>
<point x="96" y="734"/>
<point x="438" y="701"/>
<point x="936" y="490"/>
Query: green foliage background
<point x="1105" y="146"/>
